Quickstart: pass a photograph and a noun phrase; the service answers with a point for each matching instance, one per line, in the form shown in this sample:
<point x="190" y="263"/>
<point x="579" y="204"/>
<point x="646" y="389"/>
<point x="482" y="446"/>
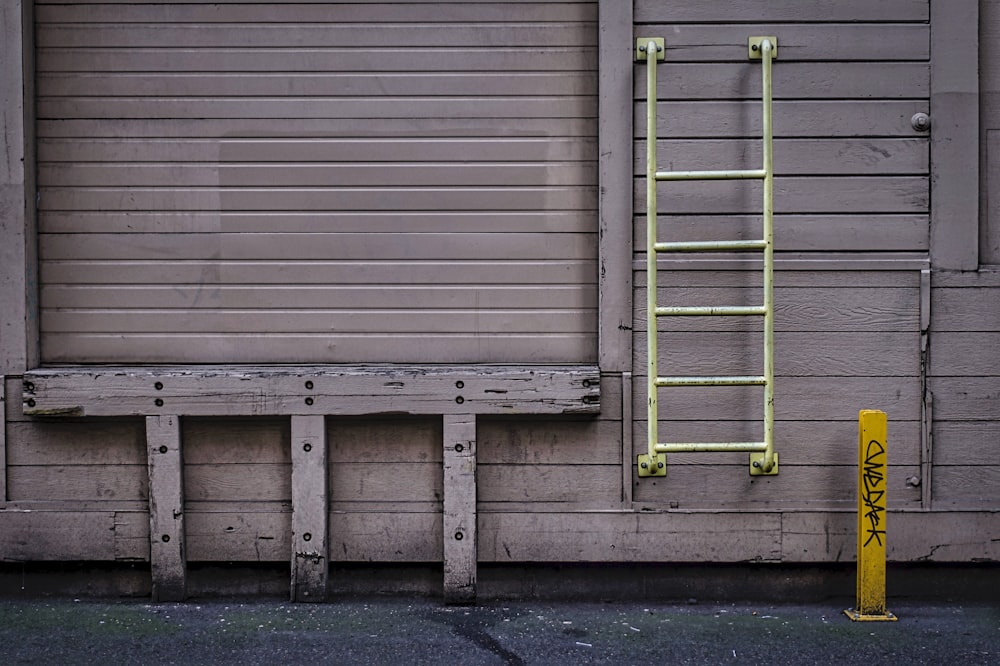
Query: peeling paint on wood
<point x="331" y="390"/>
<point x="310" y="507"/>
<point x="166" y="508"/>
<point x="459" y="525"/>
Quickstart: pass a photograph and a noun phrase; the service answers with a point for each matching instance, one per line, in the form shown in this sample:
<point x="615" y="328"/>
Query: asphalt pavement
<point x="403" y="631"/>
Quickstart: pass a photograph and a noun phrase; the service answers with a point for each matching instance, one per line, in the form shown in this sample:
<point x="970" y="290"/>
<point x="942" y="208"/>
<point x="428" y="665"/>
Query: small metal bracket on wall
<point x="755" y="47"/>
<point x="642" y="43"/>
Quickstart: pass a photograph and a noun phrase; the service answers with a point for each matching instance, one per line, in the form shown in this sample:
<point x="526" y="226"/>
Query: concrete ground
<point x="403" y="631"/>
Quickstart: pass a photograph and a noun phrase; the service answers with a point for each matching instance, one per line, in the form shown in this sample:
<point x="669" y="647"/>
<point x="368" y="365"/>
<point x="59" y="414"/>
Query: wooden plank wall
<point x="852" y="191"/>
<point x="851" y="171"/>
<point x="964" y="383"/>
<point x="844" y="341"/>
<point x="77" y="489"/>
<point x="964" y="374"/>
<point x="322" y="182"/>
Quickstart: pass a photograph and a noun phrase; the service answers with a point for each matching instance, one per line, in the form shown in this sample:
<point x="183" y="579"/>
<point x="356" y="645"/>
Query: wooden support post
<point x="17" y="260"/>
<point x="3" y="441"/>
<point x="310" y="509"/>
<point x="459" y="522"/>
<point x="166" y="508"/>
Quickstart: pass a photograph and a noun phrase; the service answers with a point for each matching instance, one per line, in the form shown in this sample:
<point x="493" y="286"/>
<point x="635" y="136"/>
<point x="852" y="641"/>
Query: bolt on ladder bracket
<point x="643" y="42"/>
<point x="757" y="465"/>
<point x="755" y="47"/>
<point x="652" y="466"/>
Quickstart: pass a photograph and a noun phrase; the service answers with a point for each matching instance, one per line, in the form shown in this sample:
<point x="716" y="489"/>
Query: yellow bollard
<point x="872" y="487"/>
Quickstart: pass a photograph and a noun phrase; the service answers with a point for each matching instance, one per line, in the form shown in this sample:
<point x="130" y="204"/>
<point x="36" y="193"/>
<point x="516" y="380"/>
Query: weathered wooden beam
<point x="3" y="441"/>
<point x="64" y="535"/>
<point x="459" y="525"/>
<point x="228" y="533"/>
<point x="18" y="332"/>
<point x="615" y="204"/>
<point x="914" y="536"/>
<point x="510" y="536"/>
<point x="310" y="499"/>
<point x="166" y="508"/>
<point x="316" y="390"/>
<point x="612" y="536"/>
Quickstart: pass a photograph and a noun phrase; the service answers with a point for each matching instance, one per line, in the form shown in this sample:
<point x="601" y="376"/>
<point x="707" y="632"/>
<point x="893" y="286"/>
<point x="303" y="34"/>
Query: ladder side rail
<point x="652" y="414"/>
<point x="767" y="54"/>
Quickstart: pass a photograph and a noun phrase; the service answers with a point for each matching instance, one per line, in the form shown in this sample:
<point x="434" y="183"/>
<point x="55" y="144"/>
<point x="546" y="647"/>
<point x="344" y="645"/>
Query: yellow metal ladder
<point x="763" y="458"/>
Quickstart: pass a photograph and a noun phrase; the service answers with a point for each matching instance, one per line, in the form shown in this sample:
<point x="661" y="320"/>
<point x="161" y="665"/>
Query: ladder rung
<point x="711" y="246"/>
<point x="734" y="174"/>
<point x="711" y="311"/>
<point x="726" y="380"/>
<point x="711" y="447"/>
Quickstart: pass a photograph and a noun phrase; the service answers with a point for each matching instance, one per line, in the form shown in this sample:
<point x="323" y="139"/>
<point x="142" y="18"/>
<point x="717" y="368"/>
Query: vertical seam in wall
<point x="3" y="441"/>
<point x="927" y="398"/>
<point x="627" y="441"/>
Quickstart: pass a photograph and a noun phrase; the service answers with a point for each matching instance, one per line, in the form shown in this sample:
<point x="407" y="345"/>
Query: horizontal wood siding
<point x="181" y="212"/>
<point x="964" y="382"/>
<point x="965" y="386"/>
<point x="844" y="341"/>
<point x="321" y="182"/>
<point x="88" y="461"/>
<point x="851" y="171"/>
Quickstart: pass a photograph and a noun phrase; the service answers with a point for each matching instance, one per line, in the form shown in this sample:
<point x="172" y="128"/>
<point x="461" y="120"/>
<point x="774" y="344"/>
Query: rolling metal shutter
<point x="336" y="182"/>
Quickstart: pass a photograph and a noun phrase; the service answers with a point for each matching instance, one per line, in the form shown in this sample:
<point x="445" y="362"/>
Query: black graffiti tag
<point x="873" y="491"/>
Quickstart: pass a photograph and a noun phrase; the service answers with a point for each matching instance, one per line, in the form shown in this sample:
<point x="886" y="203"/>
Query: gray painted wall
<point x="871" y="312"/>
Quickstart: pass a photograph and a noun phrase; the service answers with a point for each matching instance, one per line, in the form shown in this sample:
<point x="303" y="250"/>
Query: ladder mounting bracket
<point x="759" y="458"/>
<point x="652" y="465"/>
<point x="753" y="47"/>
<point x="640" y="48"/>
